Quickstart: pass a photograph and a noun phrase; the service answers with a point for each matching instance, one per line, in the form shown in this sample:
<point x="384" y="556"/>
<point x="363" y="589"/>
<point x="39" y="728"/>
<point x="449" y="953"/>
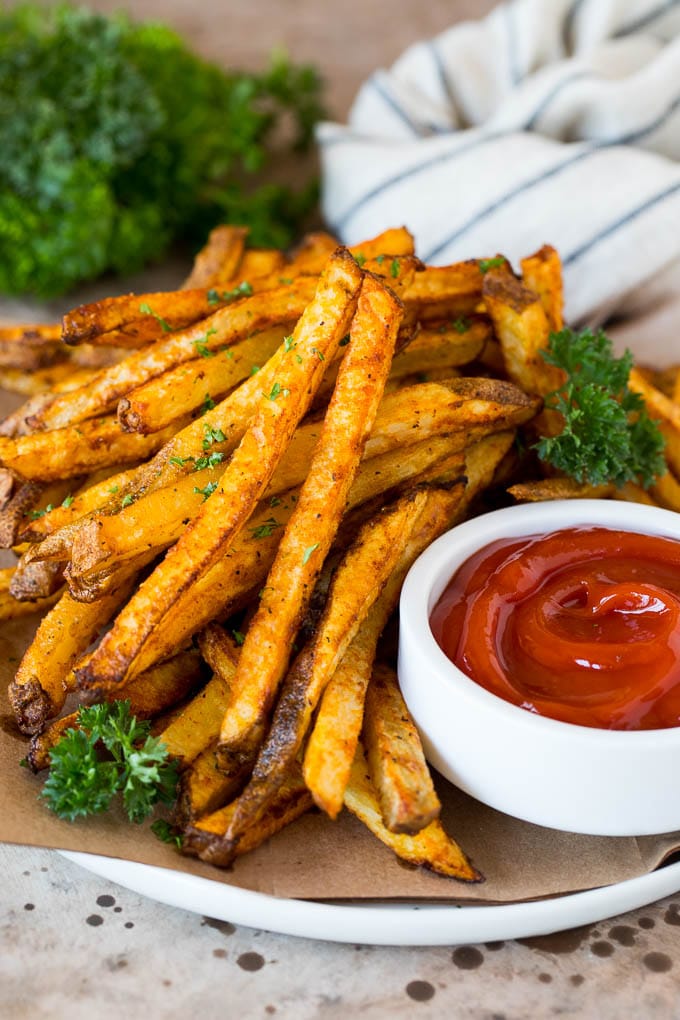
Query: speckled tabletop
<point x="73" y="945"/>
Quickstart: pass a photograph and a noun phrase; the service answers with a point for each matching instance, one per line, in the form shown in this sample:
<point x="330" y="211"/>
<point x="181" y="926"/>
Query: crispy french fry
<point x="37" y="692"/>
<point x="151" y="693"/>
<point x="98" y="490"/>
<point x="33" y="581"/>
<point x="311" y="529"/>
<point x="183" y="390"/>
<point x="446" y="346"/>
<point x="203" y="839"/>
<point x="30" y="347"/>
<point x="76" y="450"/>
<point x="220" y="257"/>
<point x="430" y="848"/>
<point x="558" y="488"/>
<point x="204" y="787"/>
<point x="523" y="330"/>
<point x="319" y="331"/>
<point x="357" y="583"/>
<point x="10" y="608"/>
<point x="395" y="757"/>
<point x="542" y="273"/>
<point x="223" y="328"/>
<point x="24" y="498"/>
<point x="446" y="291"/>
<point x="664" y="410"/>
<point x="57" y="377"/>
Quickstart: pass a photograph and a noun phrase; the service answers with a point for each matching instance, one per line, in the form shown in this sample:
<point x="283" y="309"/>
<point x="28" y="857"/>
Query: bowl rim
<point x="436" y="565"/>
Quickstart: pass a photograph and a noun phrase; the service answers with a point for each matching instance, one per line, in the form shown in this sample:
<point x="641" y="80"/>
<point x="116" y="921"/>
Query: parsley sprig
<point x="608" y="435"/>
<point x="110" y="753"/>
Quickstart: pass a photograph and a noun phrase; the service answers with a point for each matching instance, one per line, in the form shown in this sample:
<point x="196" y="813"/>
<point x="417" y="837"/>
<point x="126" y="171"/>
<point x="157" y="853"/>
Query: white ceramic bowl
<point x="576" y="778"/>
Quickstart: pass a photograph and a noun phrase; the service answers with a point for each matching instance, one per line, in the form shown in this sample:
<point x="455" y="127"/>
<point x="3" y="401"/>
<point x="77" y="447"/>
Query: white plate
<point x="388" y="924"/>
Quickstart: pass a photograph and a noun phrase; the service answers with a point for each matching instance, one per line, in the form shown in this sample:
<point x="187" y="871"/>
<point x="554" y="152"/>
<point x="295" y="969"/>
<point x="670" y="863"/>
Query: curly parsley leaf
<point x="607" y="435"/>
<point x="111" y="752"/>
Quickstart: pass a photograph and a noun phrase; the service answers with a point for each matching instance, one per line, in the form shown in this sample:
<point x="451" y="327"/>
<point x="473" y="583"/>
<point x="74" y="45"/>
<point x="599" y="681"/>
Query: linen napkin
<point x="549" y="121"/>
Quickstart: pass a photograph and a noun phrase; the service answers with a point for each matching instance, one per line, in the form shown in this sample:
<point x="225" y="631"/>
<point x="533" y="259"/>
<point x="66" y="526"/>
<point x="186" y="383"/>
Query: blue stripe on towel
<point x="582" y="249"/>
<point x="645" y="20"/>
<point x="530" y="124"/>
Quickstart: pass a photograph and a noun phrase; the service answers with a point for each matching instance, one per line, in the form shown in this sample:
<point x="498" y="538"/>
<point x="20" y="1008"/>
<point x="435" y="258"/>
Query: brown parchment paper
<point x="318" y="859"/>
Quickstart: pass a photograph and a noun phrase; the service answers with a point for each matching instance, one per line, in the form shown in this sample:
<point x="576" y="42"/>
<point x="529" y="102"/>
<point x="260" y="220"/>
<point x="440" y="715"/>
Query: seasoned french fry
<point x="395" y="757"/>
<point x="665" y="411"/>
<point x="203" y="839"/>
<point x="183" y="390"/>
<point x="30" y="347"/>
<point x="76" y="450"/>
<point x="558" y="488"/>
<point x="446" y="291"/>
<point x="430" y="848"/>
<point x="151" y="693"/>
<point x="447" y="346"/>
<point x="10" y="608"/>
<point x="221" y="329"/>
<point x="311" y="529"/>
<point x="37" y="692"/>
<point x="522" y="327"/>
<point x="542" y="273"/>
<point x="357" y="583"/>
<point x="33" y="581"/>
<point x="204" y="787"/>
<point x="319" y="331"/>
<point x="219" y="258"/>
<point x="98" y="490"/>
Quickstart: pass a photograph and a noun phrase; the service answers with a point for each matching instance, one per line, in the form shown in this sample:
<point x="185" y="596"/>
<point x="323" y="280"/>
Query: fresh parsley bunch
<point x="115" y="138"/>
<point x="608" y="435"/>
<point x="111" y="752"/>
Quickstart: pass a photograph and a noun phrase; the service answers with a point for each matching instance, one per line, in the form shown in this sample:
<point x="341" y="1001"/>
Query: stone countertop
<point x="74" y="945"/>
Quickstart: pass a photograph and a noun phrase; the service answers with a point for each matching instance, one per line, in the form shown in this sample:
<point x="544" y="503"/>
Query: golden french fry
<point x="395" y="757"/>
<point x="542" y="273"/>
<point x="204" y="838"/>
<point x="183" y="390"/>
<point x="222" y="328"/>
<point x="318" y="332"/>
<point x="357" y="583"/>
<point x="10" y="608"/>
<point x="204" y="787"/>
<point x="151" y="693"/>
<point x="37" y="692"/>
<point x="523" y="330"/>
<point x="558" y="488"/>
<point x="76" y="450"/>
<point x="311" y="529"/>
<point x="220" y="257"/>
<point x="28" y="348"/>
<point x="430" y="848"/>
<point x="94" y="493"/>
<point x="664" y="410"/>
<point x="447" y="346"/>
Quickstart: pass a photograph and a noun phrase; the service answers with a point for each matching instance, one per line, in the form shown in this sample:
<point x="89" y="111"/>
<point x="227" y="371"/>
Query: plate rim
<point x="422" y="924"/>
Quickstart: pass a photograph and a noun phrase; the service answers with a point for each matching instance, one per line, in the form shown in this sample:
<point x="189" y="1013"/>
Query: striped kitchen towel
<point x="549" y="121"/>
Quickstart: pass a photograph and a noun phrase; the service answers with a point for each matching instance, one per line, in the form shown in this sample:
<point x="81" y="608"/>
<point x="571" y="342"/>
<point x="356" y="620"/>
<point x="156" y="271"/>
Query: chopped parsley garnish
<point x="85" y="776"/>
<point x="276" y="391"/>
<point x="275" y="501"/>
<point x="254" y="369"/>
<point x="35" y="515"/>
<point x="211" y="436"/>
<point x="207" y="491"/>
<point x="286" y="280"/>
<point x="238" y="636"/>
<point x="380" y="259"/>
<point x="288" y="343"/>
<point x="266" y="529"/>
<point x="308" y="552"/>
<point x="320" y="355"/>
<point x="164" y="831"/>
<point x="207" y="404"/>
<point x="146" y="309"/>
<point x="394" y="268"/>
<point x="360" y="259"/>
<point x="200" y="345"/>
<point x="607" y="435"/>
<point x="127" y="500"/>
<point x="114" y="489"/>
<point x="461" y="324"/>
<point x="211" y="460"/>
<point x="67" y="501"/>
<point x="180" y="461"/>
<point x="486" y="264"/>
<point x="244" y="289"/>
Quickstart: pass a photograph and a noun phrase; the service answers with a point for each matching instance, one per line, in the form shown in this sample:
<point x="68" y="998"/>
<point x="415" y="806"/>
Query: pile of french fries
<point x="215" y="494"/>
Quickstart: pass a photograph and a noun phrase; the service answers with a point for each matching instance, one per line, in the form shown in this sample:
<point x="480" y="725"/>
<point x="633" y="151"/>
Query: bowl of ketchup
<point x="539" y="654"/>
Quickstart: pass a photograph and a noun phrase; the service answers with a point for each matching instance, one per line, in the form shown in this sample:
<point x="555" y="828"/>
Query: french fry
<point x="23" y="499"/>
<point x="30" y="348"/>
<point x="357" y="583"/>
<point x="33" y="581"/>
<point x="183" y="390"/>
<point x="558" y="488"/>
<point x="542" y="273"/>
<point x="446" y="346"/>
<point x="202" y="838"/>
<point x="445" y="291"/>
<point x="219" y="258"/>
<point x="222" y="328"/>
<point x="10" y="609"/>
<point x="76" y="450"/>
<point x="37" y="692"/>
<point x="57" y="377"/>
<point x="94" y="493"/>
<point x="430" y="848"/>
<point x="151" y="693"/>
<point x="523" y="330"/>
<point x="395" y="757"/>
<point x="311" y="529"/>
<point x="250" y="469"/>
<point x="333" y="741"/>
<point x="204" y="787"/>
<point x="665" y="411"/>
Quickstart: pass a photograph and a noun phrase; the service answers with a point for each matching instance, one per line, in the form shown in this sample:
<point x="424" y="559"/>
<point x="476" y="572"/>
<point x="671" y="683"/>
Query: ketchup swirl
<point x="581" y="625"/>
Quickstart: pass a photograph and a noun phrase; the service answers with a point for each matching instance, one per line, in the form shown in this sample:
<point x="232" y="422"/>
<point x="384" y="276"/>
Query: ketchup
<point x="581" y="625"/>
